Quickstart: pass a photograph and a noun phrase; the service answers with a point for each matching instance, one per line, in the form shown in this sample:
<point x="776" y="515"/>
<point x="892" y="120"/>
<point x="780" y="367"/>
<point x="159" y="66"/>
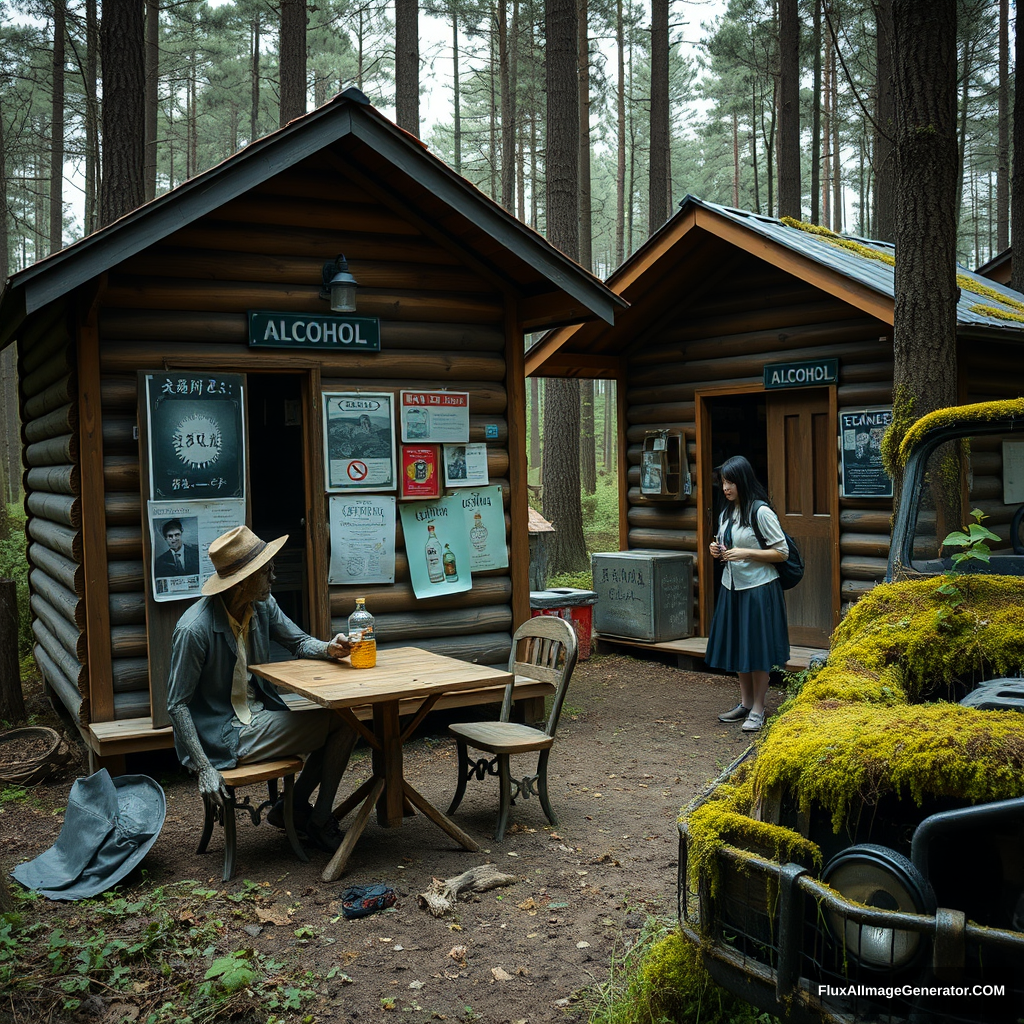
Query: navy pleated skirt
<point x="749" y="631"/>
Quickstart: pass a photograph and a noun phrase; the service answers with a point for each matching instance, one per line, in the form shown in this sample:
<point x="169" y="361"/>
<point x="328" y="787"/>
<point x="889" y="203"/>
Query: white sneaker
<point x="754" y="721"/>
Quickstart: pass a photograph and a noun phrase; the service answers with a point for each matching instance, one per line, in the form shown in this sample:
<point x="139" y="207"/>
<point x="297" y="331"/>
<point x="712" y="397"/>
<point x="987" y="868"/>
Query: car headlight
<point x="878" y="877"/>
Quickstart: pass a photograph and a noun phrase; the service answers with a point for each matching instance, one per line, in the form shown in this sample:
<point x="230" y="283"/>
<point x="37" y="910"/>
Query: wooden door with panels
<point x="802" y="482"/>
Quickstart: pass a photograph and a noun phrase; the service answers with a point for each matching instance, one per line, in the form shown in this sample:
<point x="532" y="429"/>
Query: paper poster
<point x="362" y="539"/>
<point x="359" y="442"/>
<point x="437" y="546"/>
<point x="484" y="518"/>
<point x="421" y="472"/>
<point x="465" y="465"/>
<point x="1013" y="472"/>
<point x="439" y="416"/>
<point x="861" y="431"/>
<point x="196" y="436"/>
<point x="181" y="533"/>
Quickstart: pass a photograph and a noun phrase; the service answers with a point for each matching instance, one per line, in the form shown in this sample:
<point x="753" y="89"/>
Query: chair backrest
<point x="543" y="648"/>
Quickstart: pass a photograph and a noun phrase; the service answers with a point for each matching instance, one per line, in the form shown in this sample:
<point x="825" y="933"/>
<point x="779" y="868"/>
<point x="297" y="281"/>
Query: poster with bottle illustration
<point x="485" y="525"/>
<point x="438" y="416"/>
<point x="362" y="539"/>
<point x="438" y="547"/>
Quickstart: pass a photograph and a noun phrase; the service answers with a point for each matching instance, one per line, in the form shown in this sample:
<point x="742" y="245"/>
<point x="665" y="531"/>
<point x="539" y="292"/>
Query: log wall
<point x="726" y="339"/>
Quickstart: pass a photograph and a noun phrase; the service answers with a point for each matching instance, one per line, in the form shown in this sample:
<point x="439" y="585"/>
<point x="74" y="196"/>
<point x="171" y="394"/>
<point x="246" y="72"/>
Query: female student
<point x="749" y="633"/>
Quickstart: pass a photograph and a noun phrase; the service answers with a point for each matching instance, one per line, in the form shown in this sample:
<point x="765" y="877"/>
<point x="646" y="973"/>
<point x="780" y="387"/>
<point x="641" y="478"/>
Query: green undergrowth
<point x="661" y="979"/>
<point x="168" y="955"/>
<point x="882" y="717"/>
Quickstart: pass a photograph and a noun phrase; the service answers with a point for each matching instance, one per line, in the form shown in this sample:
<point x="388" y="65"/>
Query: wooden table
<point x="399" y="673"/>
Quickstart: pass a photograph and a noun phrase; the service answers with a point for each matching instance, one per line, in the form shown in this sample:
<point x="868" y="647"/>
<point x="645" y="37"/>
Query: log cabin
<point x="161" y="305"/>
<point x="746" y="335"/>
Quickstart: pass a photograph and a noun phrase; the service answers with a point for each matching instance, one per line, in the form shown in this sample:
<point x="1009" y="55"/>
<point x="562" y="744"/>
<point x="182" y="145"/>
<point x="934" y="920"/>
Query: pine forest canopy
<point x="481" y="70"/>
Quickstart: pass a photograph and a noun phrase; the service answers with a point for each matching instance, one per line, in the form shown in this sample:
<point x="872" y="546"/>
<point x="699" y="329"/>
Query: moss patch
<point x="981" y="412"/>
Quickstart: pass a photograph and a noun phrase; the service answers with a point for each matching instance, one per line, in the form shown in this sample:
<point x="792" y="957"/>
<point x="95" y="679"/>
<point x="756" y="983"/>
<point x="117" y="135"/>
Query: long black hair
<point x="749" y="489"/>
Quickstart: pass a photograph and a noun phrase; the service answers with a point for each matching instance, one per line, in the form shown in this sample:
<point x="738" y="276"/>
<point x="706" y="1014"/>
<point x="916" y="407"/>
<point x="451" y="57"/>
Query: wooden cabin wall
<point x="182" y="305"/>
<point x="52" y="482"/>
<point x="725" y="339"/>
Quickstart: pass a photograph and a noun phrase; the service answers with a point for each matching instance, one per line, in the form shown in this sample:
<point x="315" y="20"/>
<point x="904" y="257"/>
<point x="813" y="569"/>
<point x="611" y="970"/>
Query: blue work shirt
<point x="203" y="657"/>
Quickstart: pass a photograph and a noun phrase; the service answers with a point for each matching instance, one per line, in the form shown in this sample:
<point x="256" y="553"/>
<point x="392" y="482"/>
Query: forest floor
<point x="638" y="740"/>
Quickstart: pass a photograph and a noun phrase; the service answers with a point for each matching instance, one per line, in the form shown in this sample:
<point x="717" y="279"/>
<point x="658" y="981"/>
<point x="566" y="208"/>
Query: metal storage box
<point x="644" y="595"/>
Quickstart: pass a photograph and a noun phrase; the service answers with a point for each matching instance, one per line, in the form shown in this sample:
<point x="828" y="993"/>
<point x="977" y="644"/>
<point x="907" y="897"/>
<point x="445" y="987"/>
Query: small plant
<point x="972" y="543"/>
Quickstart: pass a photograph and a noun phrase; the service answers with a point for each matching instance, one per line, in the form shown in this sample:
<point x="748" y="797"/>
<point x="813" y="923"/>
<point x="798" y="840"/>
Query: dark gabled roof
<point x="859" y="271"/>
<point x="553" y="288"/>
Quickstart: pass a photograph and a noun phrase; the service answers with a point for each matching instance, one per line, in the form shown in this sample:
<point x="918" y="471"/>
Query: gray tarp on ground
<point x="109" y="826"/>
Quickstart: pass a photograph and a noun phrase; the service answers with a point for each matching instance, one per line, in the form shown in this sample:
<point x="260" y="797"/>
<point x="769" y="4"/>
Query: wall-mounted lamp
<point x="339" y="286"/>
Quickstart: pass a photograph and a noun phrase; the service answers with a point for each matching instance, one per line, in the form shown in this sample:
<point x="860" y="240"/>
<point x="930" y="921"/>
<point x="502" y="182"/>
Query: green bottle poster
<point x="437" y="545"/>
<point x="484" y="515"/>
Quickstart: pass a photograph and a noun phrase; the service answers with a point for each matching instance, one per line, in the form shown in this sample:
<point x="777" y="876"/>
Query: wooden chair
<point x="543" y="648"/>
<point x="249" y="775"/>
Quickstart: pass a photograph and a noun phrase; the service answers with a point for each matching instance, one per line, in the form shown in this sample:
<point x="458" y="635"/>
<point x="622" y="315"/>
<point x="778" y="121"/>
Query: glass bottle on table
<point x="362" y="637"/>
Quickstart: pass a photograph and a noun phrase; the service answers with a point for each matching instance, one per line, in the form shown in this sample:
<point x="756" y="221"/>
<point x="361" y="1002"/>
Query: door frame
<point x="705" y="529"/>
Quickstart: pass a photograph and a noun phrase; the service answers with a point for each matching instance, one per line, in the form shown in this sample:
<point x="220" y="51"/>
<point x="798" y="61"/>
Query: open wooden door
<point x="802" y="484"/>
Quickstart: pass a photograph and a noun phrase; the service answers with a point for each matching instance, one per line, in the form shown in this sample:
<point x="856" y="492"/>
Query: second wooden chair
<point x="543" y="648"/>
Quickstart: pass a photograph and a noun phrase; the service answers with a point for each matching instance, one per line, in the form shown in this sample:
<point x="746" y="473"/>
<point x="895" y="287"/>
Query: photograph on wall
<point x="359" y="442"/>
<point x="436" y="416"/>
<point x="196" y="436"/>
<point x="465" y="465"/>
<point x="437" y="545"/>
<point x="180" y="533"/>
<point x="652" y="472"/>
<point x="861" y="432"/>
<point x="362" y="539"/>
<point x="421" y="471"/>
<point x="484" y="515"/>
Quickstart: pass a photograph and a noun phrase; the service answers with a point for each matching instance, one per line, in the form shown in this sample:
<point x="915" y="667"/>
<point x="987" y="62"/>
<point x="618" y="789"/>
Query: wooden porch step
<point x="133" y="735"/>
<point x="690" y="651"/>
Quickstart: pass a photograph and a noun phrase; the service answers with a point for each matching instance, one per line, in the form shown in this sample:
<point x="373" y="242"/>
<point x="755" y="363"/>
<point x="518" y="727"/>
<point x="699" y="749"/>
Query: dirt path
<point x="637" y="741"/>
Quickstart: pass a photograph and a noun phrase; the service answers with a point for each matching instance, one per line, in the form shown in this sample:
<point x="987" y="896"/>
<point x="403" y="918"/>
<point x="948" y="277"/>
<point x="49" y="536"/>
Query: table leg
<point x="441" y="820"/>
<point x="387" y="763"/>
<point x="336" y="865"/>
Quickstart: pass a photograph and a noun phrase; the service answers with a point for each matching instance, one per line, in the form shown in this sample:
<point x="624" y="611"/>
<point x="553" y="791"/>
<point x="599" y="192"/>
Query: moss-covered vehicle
<point x="866" y="861"/>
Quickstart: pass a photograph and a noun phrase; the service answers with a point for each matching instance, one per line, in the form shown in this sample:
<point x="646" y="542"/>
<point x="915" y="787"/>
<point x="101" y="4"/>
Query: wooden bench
<point x="133" y="735"/>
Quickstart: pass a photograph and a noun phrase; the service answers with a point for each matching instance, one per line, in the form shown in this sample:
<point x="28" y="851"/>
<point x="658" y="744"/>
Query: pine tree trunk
<point x="837" y="159"/>
<point x="1017" y="172"/>
<point x="535" y="383"/>
<point x="92" y="117"/>
<point x="254" y="89"/>
<point x="456" y="97"/>
<point x="562" y="396"/>
<point x="586" y="259"/>
<point x="588" y="449"/>
<point x="965" y="95"/>
<point x="407" y="66"/>
<point x="735" y="160"/>
<point x="12" y="701"/>
<point x="57" y="131"/>
<point x="620" y="120"/>
<point x="5" y="238"/>
<point x="1003" y="149"/>
<point x="657" y="207"/>
<point x="789" y="110"/>
<point x="753" y="146"/>
<point x="122" y="188"/>
<point x="152" y="92"/>
<point x="292" y="67"/>
<point x="609" y="425"/>
<point x="884" y="124"/>
<point x="826" y="136"/>
<point x="924" y="329"/>
<point x="816" y="116"/>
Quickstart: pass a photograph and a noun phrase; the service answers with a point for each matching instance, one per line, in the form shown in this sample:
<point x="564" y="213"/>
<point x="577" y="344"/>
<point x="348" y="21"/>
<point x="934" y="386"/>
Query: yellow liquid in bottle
<point x="364" y="654"/>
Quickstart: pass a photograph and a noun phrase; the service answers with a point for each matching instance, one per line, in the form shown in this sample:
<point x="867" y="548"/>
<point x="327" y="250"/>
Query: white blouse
<point x="746" y="573"/>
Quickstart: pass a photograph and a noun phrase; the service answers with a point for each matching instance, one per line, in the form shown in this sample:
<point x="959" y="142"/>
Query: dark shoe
<point x="300" y="815"/>
<point x="327" y="837"/>
<point x="738" y="714"/>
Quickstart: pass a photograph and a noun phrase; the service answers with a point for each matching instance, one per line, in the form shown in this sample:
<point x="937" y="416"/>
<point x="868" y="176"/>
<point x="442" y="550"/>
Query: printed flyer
<point x="359" y="442"/>
<point x="362" y="539"/>
<point x="181" y="532"/>
<point x="421" y="474"/>
<point x="485" y="525"/>
<point x="437" y="416"/>
<point x="465" y="465"/>
<point x="438" y="547"/>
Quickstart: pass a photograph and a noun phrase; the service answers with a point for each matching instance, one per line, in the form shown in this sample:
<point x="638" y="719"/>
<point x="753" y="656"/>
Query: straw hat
<point x="237" y="554"/>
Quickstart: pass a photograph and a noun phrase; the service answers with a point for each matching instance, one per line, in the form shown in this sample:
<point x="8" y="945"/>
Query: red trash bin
<point x="575" y="606"/>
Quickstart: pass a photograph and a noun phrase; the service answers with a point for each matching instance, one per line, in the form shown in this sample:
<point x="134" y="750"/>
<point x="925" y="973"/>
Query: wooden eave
<point x="551" y="288"/>
<point x="649" y="277"/>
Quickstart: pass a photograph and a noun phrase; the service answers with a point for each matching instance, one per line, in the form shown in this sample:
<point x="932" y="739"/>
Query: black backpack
<point x="791" y="571"/>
